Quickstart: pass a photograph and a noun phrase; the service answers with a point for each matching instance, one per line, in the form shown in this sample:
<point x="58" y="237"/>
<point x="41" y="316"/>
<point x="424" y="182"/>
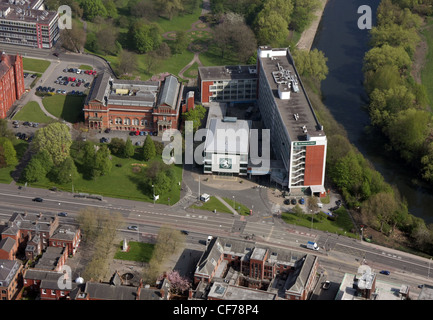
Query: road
<point x="337" y="252"/>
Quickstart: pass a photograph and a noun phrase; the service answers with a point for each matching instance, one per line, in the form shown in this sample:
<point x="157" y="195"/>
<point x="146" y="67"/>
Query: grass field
<point x="427" y="70"/>
<point x="239" y="207"/>
<point x="138" y="251"/>
<point x="35" y="65"/>
<point x="211" y="205"/>
<point x="66" y="107"/>
<point x="32" y="112"/>
<point x="121" y="182"/>
<point x="342" y="225"/>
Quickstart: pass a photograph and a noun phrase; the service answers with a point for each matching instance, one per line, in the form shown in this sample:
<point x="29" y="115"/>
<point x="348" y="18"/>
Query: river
<point x="345" y="45"/>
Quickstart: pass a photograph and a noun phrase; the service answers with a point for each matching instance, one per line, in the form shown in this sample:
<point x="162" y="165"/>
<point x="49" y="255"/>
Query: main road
<point x="335" y="250"/>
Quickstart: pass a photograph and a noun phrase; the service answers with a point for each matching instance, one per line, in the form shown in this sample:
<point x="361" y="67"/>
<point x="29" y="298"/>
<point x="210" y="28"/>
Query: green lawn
<point x="179" y="23"/>
<point x="239" y="207"/>
<point x="35" y="65"/>
<point x="121" y="182"/>
<point x="342" y="225"/>
<point x="66" y="107"/>
<point x="85" y="67"/>
<point x="427" y="70"/>
<point x="211" y="205"/>
<point x="32" y="112"/>
<point x="138" y="251"/>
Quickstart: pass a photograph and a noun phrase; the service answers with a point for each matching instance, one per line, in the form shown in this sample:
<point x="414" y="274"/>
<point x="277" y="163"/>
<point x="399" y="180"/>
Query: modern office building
<point x="27" y="23"/>
<point x="227" y="146"/>
<point x="298" y="140"/>
<point x="11" y="82"/>
<point x="150" y="106"/>
<point x="227" y="84"/>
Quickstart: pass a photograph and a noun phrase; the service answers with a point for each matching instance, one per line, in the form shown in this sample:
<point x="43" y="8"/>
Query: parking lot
<point x="67" y="79"/>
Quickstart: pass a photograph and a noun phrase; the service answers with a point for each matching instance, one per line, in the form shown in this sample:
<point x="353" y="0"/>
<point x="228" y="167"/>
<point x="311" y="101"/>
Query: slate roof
<point x="99" y="88"/>
<point x="169" y="93"/>
<point x="7" y="244"/>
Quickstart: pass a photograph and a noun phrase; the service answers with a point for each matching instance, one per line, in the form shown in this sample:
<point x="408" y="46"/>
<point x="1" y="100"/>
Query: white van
<point x="320" y="205"/>
<point x="205" y="197"/>
<point x="209" y="239"/>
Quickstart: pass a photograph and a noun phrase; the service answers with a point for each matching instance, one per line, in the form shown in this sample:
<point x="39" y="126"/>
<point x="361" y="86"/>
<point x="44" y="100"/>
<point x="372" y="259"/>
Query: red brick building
<point x="10" y="279"/>
<point x="126" y="105"/>
<point x="11" y="81"/>
<point x="241" y="266"/>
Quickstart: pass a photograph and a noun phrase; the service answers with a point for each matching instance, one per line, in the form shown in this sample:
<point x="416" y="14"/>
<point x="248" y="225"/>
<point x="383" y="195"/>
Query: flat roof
<point x="227" y="72"/>
<point x="297" y="104"/>
<point x="23" y="11"/>
<point x="230" y="146"/>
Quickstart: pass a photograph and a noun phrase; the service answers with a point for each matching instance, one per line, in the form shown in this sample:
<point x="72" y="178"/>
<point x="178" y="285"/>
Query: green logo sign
<point x="305" y="143"/>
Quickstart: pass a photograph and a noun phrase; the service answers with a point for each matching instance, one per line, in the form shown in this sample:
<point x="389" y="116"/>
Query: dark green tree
<point x="149" y="151"/>
<point x="129" y="149"/>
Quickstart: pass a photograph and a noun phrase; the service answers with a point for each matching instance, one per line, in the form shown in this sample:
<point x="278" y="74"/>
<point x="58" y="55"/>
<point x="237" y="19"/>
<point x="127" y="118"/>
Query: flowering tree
<point x="178" y="283"/>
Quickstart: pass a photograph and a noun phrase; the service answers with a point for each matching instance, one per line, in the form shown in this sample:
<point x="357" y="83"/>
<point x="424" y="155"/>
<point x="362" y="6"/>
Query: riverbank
<point x="307" y="37"/>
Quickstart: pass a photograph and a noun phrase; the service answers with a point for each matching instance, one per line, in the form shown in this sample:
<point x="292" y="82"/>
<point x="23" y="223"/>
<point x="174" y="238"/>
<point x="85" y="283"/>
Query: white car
<point x="133" y="228"/>
<point x="326" y="285"/>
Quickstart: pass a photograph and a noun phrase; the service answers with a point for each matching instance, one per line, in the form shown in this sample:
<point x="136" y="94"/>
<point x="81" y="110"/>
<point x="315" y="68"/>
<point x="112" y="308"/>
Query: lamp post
<point x="153" y="187"/>
<point x="234" y="203"/>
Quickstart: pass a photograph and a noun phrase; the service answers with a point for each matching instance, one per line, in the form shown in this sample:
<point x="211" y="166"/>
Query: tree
<point x="149" y="151"/>
<point x="195" y="115"/>
<point x="45" y="159"/>
<point x="380" y="209"/>
<point x="387" y="55"/>
<point x="311" y="63"/>
<point x="111" y="9"/>
<point x="127" y="62"/>
<point x="303" y="13"/>
<point x="73" y="39"/>
<point x="145" y="37"/>
<point x="102" y="164"/>
<point x="178" y="284"/>
<point x="270" y="28"/>
<point x="65" y="172"/>
<point x="4" y="130"/>
<point x="169" y="8"/>
<point x="106" y="39"/>
<point x="93" y="9"/>
<point x="181" y="42"/>
<point x="34" y="171"/>
<point x="129" y="149"/>
<point x="54" y="138"/>
<point x="9" y="152"/>
<point x="117" y="146"/>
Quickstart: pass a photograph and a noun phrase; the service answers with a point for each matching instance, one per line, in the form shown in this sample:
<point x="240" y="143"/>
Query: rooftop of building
<point x="30" y="11"/>
<point x="296" y="112"/>
<point x="226" y="127"/>
<point x="6" y="62"/>
<point x="8" y="269"/>
<point x="50" y="258"/>
<point x="225" y="291"/>
<point x="134" y="93"/>
<point x="216" y="73"/>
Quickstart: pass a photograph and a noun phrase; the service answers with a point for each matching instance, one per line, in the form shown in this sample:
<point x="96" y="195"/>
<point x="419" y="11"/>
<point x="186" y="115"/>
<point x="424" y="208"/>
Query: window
<point x="127" y="121"/>
<point x="135" y="122"/>
<point x="44" y="291"/>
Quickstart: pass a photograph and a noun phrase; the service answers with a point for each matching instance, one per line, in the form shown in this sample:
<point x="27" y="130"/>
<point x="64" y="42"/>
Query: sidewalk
<point x="308" y="35"/>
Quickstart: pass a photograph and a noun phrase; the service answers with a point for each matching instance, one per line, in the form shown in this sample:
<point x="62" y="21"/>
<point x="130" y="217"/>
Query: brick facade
<point x="11" y="82"/>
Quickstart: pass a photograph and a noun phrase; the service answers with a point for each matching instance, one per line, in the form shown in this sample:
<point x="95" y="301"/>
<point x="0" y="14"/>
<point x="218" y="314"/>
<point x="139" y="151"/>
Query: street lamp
<point x="153" y="186"/>
<point x="234" y="203"/>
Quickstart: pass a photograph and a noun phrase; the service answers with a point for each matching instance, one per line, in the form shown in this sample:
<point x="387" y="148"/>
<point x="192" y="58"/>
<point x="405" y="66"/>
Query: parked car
<point x="62" y="214"/>
<point x="108" y="130"/>
<point x="287" y="201"/>
<point x="55" y="54"/>
<point x="37" y="199"/>
<point x="385" y="272"/>
<point x="184" y="232"/>
<point x="133" y="228"/>
<point x="302" y="201"/>
<point x="326" y="285"/>
<point x="293" y="201"/>
<point x="103" y="140"/>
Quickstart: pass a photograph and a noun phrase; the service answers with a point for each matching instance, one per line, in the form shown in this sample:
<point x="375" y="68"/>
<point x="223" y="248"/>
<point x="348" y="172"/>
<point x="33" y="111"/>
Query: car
<point x="18" y="135"/>
<point x="35" y="125"/>
<point x="26" y="123"/>
<point x="103" y="140"/>
<point x="87" y="84"/>
<point x="55" y="54"/>
<point x="333" y="208"/>
<point x="141" y="133"/>
<point x="385" y="272"/>
<point x="33" y="75"/>
<point x="39" y="88"/>
<point x="301" y="201"/>
<point x="326" y="285"/>
<point x="184" y="232"/>
<point x="52" y="89"/>
<point x="108" y="130"/>
<point x="293" y="201"/>
<point x="26" y="75"/>
<point x="58" y="91"/>
<point x="63" y="214"/>
<point x="15" y="122"/>
<point x="132" y="133"/>
<point x="78" y="84"/>
<point x="287" y="201"/>
<point x="133" y="228"/>
<point x="65" y="70"/>
<point x="37" y="199"/>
